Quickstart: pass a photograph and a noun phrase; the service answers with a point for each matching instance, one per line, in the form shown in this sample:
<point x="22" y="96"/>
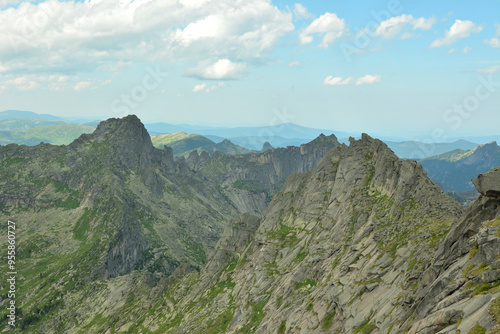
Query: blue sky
<point x="414" y="69"/>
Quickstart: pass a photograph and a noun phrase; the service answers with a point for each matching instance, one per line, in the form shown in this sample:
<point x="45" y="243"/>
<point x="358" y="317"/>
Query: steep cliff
<point x="251" y="180"/>
<point x="340" y="249"/>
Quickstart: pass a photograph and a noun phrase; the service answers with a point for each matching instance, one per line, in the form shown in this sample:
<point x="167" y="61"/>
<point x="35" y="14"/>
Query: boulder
<point x="488" y="184"/>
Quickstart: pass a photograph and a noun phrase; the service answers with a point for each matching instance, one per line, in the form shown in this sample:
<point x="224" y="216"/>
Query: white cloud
<point x="52" y="82"/>
<point x="336" y="81"/>
<point x="490" y="69"/>
<point x="340" y="81"/>
<point x="466" y="49"/>
<point x="82" y="85"/>
<point x="399" y="25"/>
<point x="200" y="87"/>
<point x="57" y="36"/>
<point x="494" y="42"/>
<point x="368" y="79"/>
<point x="294" y="63"/>
<point x="328" y="24"/>
<point x="203" y="87"/>
<point x="223" y="69"/>
<point x="301" y="12"/>
<point x="460" y="29"/>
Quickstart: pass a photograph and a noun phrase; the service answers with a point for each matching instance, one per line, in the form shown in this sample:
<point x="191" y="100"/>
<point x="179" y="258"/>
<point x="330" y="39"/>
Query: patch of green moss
<point x="365" y="328"/>
<point x="478" y="329"/>
<point x="282" y="328"/>
<point x="473" y="251"/>
<point x="255" y="318"/>
<point x="307" y="284"/>
<point x="327" y="321"/>
<point x="300" y="257"/>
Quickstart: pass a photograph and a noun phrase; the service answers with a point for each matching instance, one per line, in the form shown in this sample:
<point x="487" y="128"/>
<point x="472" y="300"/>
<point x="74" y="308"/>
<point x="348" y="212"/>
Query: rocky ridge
<point x="340" y="249"/>
<point x="108" y="205"/>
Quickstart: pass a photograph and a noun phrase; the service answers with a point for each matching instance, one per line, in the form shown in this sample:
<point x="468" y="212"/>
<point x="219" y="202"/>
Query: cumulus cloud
<point x="493" y="42"/>
<point x="340" y="81"/>
<point x="402" y="26"/>
<point x="68" y="36"/>
<point x="459" y="30"/>
<point x="368" y="79"/>
<point x="336" y="81"/>
<point x="490" y="69"/>
<point x="223" y="69"/>
<point x="301" y="12"/>
<point x="328" y="24"/>
<point x="203" y="87"/>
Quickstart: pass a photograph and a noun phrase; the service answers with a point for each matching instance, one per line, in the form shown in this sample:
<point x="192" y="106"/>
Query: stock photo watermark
<point x="131" y="100"/>
<point x="29" y="26"/>
<point x="365" y="35"/>
<point x="455" y="116"/>
<point x="11" y="274"/>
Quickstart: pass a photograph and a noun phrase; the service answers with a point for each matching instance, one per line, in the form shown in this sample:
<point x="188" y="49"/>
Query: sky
<point x="414" y="69"/>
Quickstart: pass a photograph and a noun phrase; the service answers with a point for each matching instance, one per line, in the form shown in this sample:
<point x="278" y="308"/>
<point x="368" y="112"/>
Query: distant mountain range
<point x="454" y="170"/>
<point x="282" y="135"/>
<point x="242" y="139"/>
<point x="420" y="150"/>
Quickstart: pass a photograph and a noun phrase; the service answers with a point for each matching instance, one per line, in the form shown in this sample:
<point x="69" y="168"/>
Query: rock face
<point x="110" y="207"/>
<point x="340" y="249"/>
<point x="461" y="288"/>
<point x="251" y="180"/>
<point x="488" y="184"/>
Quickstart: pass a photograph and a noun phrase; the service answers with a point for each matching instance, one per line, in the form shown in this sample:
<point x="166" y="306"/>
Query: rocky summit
<point x="116" y="236"/>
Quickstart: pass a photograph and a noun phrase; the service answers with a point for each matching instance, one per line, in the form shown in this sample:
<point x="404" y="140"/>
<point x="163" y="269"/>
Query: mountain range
<point x="454" y="170"/>
<point x="115" y="235"/>
<point x="251" y="138"/>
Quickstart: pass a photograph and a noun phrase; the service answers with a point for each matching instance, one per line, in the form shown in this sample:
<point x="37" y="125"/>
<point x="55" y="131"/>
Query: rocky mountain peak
<point x="128" y="129"/>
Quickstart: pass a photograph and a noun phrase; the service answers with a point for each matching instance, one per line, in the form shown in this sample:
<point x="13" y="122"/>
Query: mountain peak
<point x="266" y="146"/>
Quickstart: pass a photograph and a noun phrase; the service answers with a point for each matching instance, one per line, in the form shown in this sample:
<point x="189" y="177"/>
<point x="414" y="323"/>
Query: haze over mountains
<point x="116" y="235"/>
<point x="453" y="176"/>
<point x="252" y="138"/>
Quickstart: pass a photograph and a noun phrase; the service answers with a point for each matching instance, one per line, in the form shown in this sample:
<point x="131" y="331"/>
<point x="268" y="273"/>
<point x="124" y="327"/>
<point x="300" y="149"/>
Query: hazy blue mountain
<point x="27" y="114"/>
<point x="454" y="170"/>
<point x="14" y="124"/>
<point x="420" y="150"/>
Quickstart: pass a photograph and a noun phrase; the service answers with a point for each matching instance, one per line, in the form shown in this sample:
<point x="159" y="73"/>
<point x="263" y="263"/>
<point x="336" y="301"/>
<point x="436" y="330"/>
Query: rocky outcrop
<point x="462" y="282"/>
<point x="488" y="184"/>
<point x="339" y="249"/>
